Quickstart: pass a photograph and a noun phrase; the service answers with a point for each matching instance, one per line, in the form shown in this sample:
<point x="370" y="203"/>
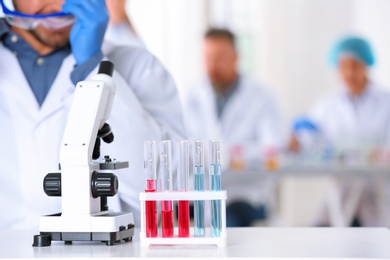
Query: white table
<point x="284" y="243"/>
<point x="341" y="206"/>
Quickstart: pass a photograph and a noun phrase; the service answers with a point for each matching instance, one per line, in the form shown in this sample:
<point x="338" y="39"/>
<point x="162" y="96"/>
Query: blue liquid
<point x="199" y="204"/>
<point x="215" y="185"/>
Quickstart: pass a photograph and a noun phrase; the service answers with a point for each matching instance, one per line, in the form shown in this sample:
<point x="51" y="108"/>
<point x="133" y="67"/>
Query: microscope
<point x="84" y="183"/>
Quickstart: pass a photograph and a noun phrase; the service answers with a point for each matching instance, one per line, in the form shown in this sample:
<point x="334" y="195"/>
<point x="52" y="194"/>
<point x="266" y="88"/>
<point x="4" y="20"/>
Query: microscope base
<point x="109" y="228"/>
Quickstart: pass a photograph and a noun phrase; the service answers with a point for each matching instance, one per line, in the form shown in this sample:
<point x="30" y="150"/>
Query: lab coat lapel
<point x="61" y="92"/>
<point x="350" y="116"/>
<point x="370" y="116"/>
<point x="210" y="112"/>
<point x="15" y="83"/>
<point x="233" y="108"/>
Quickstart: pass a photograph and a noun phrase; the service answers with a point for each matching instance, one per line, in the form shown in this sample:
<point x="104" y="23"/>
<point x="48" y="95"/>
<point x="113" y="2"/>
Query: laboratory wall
<point x="283" y="43"/>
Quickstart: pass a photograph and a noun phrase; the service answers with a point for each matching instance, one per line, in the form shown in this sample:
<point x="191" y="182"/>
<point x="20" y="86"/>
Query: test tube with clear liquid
<point x="150" y="166"/>
<point x="183" y="185"/>
<point x="166" y="186"/>
<point x="198" y="170"/>
<point x="215" y="185"/>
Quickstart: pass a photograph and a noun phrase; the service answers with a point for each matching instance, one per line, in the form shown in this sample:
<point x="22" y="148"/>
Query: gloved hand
<point x="86" y="36"/>
<point x="304" y="136"/>
<point x="304" y="123"/>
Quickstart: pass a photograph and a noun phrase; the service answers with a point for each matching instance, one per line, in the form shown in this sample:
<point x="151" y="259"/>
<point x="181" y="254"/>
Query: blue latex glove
<point x="86" y="36"/>
<point x="304" y="123"/>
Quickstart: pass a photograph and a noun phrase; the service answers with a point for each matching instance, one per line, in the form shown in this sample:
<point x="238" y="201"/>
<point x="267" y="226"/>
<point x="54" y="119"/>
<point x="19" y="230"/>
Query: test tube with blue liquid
<point x="215" y="185"/>
<point x="199" y="186"/>
<point x="166" y="186"/>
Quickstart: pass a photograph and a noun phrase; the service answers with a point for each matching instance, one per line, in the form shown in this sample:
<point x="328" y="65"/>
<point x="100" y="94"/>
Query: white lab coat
<point x="146" y="107"/>
<point x="122" y="34"/>
<point x="358" y="123"/>
<point x="250" y="118"/>
<point x="364" y="121"/>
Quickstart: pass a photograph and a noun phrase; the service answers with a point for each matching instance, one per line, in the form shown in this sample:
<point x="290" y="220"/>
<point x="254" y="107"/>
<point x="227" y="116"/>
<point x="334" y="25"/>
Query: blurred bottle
<point x="237" y="158"/>
<point x="271" y="159"/>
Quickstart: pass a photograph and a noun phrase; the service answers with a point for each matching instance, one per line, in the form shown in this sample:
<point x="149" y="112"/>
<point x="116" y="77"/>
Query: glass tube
<point x="166" y="186"/>
<point x="215" y="185"/>
<point x="199" y="186"/>
<point x="183" y="179"/>
<point x="150" y="165"/>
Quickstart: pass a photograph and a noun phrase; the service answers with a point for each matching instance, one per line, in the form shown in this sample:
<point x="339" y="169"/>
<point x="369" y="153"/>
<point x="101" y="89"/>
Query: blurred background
<point x="283" y="43"/>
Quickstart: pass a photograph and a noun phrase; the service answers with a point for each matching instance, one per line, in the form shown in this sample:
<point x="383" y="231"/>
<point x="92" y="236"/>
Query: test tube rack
<point x="220" y="241"/>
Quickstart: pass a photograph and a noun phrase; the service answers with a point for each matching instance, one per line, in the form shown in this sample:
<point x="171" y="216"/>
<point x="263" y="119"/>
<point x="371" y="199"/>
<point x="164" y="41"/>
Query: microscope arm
<point x="90" y="110"/>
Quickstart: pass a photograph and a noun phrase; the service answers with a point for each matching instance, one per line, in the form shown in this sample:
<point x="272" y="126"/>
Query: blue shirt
<point x="41" y="70"/>
<point x="222" y="99"/>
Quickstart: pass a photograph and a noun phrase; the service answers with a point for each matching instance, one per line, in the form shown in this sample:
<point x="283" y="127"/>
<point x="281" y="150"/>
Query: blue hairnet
<point x="355" y="46"/>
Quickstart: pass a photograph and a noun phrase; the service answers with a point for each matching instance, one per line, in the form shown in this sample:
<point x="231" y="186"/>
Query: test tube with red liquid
<point x="166" y="186"/>
<point x="183" y="179"/>
<point x="150" y="165"/>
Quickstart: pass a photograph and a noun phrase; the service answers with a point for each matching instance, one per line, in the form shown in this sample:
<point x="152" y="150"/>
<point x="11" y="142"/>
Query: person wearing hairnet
<point x="230" y="106"/>
<point x="357" y="117"/>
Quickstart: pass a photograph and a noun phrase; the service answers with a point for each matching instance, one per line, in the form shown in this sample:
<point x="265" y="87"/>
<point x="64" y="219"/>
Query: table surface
<point x="242" y="242"/>
<point x="321" y="170"/>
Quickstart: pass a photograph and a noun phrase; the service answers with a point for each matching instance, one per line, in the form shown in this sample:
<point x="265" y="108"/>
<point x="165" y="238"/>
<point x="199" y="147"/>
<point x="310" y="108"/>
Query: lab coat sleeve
<point x="153" y="97"/>
<point x="270" y="130"/>
<point x="122" y="34"/>
<point x="154" y="88"/>
<point x="317" y="112"/>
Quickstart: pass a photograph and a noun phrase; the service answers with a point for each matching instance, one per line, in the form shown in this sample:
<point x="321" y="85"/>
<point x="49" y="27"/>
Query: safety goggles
<point x="54" y="21"/>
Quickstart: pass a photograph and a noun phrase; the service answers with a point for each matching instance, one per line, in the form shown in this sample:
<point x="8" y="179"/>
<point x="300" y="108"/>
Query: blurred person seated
<point x="360" y="114"/>
<point x="355" y="119"/>
<point x="120" y="30"/>
<point x="230" y="106"/>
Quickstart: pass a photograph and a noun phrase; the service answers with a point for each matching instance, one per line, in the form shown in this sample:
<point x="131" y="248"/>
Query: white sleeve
<point x="122" y="34"/>
<point x="270" y="129"/>
<point x="154" y="99"/>
<point x="154" y="88"/>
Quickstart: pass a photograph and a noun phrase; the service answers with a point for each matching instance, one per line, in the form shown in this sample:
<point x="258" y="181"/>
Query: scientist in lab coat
<point x="360" y="114"/>
<point x="230" y="106"/>
<point x="358" y="117"/>
<point x="41" y="60"/>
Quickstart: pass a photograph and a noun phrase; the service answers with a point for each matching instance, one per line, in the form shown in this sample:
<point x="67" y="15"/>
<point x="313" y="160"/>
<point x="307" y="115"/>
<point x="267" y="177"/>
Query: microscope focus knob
<point x="104" y="184"/>
<point x="52" y="184"/>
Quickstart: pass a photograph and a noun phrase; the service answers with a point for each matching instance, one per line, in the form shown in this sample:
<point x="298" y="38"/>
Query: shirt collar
<point x="367" y="94"/>
<point x="4" y="28"/>
<point x="231" y="89"/>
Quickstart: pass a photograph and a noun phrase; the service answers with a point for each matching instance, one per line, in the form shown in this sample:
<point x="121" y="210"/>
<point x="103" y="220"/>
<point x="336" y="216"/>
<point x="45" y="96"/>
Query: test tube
<point x="150" y="165"/>
<point x="215" y="185"/>
<point x="166" y="186"/>
<point x="183" y="179"/>
<point x="199" y="186"/>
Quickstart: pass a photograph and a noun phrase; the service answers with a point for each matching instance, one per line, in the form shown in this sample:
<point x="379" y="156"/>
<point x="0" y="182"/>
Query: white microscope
<point x="83" y="189"/>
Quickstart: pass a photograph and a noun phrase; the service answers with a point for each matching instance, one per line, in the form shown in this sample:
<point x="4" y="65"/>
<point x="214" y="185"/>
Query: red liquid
<point x="151" y="211"/>
<point x="184" y="218"/>
<point x="167" y="223"/>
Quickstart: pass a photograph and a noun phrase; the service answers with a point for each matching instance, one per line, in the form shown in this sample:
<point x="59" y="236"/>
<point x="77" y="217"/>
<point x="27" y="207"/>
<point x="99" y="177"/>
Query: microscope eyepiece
<point x="106" y="67"/>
